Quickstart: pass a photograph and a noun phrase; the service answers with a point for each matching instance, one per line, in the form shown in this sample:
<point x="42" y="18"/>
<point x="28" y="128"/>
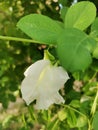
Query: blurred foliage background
<point x="15" y="57"/>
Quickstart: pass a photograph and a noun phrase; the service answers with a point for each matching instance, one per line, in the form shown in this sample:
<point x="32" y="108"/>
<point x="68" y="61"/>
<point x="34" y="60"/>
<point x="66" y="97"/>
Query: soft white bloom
<point x="42" y="82"/>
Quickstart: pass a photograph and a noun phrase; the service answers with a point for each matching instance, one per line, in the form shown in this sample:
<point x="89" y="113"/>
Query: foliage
<point x="70" y="34"/>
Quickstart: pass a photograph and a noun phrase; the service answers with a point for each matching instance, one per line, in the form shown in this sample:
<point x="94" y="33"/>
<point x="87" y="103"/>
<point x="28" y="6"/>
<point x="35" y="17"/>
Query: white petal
<point x="60" y="77"/>
<point x="36" y="68"/>
<point x="29" y="89"/>
<point x="29" y="84"/>
<point x="54" y="79"/>
<point x="44" y="101"/>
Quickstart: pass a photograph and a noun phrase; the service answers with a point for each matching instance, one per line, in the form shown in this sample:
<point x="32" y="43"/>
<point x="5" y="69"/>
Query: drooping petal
<point x="44" y="101"/>
<point x="42" y="83"/>
<point x="29" y="89"/>
<point x="36" y="68"/>
<point x="28" y="86"/>
<point x="54" y="79"/>
<point x="60" y="77"/>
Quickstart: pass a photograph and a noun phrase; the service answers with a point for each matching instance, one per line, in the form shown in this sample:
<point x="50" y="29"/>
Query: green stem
<point x="33" y="117"/>
<point x="93" y="109"/>
<point x="93" y="77"/>
<point x="24" y="121"/>
<point x="19" y="39"/>
<point x="55" y="124"/>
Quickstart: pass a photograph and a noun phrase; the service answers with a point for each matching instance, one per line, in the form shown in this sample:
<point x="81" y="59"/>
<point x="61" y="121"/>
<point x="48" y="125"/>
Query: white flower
<point x="42" y="82"/>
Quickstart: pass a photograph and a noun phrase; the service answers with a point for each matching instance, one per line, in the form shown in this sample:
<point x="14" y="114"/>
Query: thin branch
<point x="19" y="39"/>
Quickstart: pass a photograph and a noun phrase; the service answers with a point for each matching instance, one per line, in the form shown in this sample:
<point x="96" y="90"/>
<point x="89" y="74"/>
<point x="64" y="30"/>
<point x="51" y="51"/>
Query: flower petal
<point x="29" y="89"/>
<point x="54" y="79"/>
<point x="60" y="77"/>
<point x="44" y="101"/>
<point x="36" y="68"/>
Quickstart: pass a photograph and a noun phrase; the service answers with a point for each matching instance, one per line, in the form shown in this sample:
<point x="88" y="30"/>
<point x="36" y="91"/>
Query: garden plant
<point x="49" y="59"/>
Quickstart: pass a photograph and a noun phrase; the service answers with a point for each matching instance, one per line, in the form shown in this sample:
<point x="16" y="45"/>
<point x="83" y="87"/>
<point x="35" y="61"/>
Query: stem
<point x="55" y="124"/>
<point x="24" y="121"/>
<point x="93" y="109"/>
<point x="33" y="117"/>
<point x="19" y="39"/>
<point x="93" y="77"/>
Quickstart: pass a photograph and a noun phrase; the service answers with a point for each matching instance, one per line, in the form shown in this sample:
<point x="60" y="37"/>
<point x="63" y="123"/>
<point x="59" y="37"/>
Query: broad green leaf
<point x="94" y="28"/>
<point x="61" y="24"/>
<point x="75" y="103"/>
<point x="73" y="50"/>
<point x="63" y="12"/>
<point x="80" y="15"/>
<point x="90" y="44"/>
<point x="40" y="28"/>
<point x="85" y="107"/>
<point x="62" y="114"/>
<point x="72" y="119"/>
<point x="95" y="52"/>
<point x="81" y="121"/>
<point x="95" y="121"/>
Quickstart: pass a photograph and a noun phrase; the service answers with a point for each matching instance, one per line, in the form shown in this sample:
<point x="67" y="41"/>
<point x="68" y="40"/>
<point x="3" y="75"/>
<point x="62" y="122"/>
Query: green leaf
<point x="74" y="49"/>
<point x="81" y="121"/>
<point x="71" y="119"/>
<point x="94" y="28"/>
<point x="95" y="121"/>
<point x="75" y="103"/>
<point x="62" y="114"/>
<point x="90" y="44"/>
<point x="80" y="15"/>
<point x="40" y="28"/>
<point x="63" y="12"/>
<point x="95" y="52"/>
